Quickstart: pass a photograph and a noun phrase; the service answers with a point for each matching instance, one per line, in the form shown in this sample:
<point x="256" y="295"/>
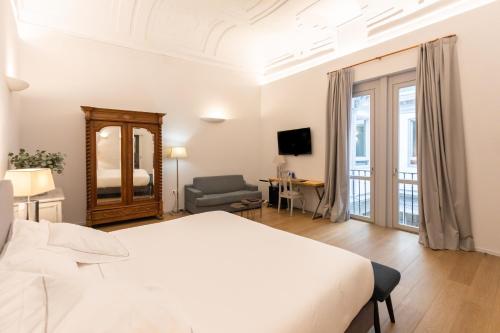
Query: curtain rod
<point x="391" y="53"/>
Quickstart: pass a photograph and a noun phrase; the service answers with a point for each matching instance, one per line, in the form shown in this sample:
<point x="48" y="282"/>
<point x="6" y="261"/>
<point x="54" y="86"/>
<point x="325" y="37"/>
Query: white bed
<point x="111" y="178"/>
<point x="229" y="274"/>
<point x="226" y="274"/>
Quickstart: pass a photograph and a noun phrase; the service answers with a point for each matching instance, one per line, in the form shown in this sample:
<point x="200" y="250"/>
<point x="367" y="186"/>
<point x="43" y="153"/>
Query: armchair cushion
<point x="192" y="193"/>
<point x="226" y="198"/>
<point x="250" y="187"/>
<point x="219" y="184"/>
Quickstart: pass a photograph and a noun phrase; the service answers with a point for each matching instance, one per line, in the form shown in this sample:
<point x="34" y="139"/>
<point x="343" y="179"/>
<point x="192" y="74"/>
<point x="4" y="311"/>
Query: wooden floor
<point x="440" y="291"/>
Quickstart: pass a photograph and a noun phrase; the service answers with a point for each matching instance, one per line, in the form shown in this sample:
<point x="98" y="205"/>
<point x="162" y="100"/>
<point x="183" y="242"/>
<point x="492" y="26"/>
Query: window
<point x="360" y="131"/>
<point x="412" y="142"/>
<point x="406" y="181"/>
<point x="360" y="177"/>
<point x="361" y="139"/>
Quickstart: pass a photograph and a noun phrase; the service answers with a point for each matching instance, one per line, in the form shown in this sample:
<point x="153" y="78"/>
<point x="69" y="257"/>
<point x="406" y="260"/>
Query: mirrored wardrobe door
<point x="109" y="157"/>
<point x="143" y="163"/>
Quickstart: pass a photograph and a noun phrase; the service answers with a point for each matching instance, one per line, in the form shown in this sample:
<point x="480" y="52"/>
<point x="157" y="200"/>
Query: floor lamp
<point x="28" y="183"/>
<point x="177" y="153"/>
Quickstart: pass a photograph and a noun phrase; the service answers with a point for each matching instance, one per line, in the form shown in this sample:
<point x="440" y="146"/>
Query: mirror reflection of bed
<point x="109" y="159"/>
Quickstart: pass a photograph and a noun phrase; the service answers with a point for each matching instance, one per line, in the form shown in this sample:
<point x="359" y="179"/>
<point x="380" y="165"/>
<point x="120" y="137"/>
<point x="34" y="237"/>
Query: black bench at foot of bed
<point x="386" y="279"/>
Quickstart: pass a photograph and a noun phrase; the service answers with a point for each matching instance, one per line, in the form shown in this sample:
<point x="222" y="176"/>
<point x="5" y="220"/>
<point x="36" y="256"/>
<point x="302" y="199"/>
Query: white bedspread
<point x="113" y="178"/>
<point x="227" y="274"/>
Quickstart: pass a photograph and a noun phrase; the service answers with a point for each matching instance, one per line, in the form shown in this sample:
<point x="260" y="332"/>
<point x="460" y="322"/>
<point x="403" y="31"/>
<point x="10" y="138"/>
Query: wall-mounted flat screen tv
<point x="295" y="142"/>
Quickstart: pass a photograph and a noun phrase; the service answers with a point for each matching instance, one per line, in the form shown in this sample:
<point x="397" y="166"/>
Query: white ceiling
<point x="262" y="36"/>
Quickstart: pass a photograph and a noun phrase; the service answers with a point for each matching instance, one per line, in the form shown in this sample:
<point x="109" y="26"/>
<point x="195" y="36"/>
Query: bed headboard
<point x="6" y="210"/>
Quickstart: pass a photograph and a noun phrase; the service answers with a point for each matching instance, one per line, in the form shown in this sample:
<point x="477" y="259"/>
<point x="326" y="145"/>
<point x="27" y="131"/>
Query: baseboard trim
<point x="487" y="251"/>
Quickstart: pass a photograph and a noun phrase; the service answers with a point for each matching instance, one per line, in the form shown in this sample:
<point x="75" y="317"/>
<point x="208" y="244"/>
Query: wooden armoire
<point x="124" y="164"/>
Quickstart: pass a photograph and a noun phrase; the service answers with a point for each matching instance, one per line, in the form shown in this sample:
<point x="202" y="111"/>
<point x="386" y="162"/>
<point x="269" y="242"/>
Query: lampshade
<point x="279" y="160"/>
<point x="29" y="182"/>
<point x="176" y="152"/>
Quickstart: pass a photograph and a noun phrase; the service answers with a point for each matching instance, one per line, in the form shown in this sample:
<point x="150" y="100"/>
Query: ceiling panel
<point x="253" y="35"/>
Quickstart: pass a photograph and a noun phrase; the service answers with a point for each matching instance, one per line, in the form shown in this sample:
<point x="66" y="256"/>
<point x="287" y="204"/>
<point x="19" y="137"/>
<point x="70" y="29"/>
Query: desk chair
<point x="286" y="191"/>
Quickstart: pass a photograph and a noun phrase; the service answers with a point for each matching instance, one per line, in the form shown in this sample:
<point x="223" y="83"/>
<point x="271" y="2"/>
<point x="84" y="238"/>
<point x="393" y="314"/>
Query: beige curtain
<point x="445" y="219"/>
<point x="337" y="145"/>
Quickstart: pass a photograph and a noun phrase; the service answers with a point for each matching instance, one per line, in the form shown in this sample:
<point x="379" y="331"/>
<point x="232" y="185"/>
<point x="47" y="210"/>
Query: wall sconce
<point x="213" y="119"/>
<point x="216" y="114"/>
<point x="16" y="84"/>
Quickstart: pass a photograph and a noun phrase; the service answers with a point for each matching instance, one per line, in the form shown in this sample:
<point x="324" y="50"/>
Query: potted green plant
<point x="40" y="159"/>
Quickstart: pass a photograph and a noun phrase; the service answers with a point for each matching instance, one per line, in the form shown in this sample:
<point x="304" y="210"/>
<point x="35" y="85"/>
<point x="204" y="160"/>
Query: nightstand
<point x="50" y="206"/>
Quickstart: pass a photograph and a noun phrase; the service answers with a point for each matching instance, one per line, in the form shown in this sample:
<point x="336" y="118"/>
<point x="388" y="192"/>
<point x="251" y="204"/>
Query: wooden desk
<point x="319" y="188"/>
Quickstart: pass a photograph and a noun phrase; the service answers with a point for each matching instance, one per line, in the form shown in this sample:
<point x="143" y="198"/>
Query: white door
<point x="361" y="153"/>
<point x="402" y="101"/>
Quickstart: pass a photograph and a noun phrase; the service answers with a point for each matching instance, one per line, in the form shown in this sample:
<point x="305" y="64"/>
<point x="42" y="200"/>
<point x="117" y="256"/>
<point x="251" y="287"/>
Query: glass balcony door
<point x="404" y="172"/>
<point x="361" y="150"/>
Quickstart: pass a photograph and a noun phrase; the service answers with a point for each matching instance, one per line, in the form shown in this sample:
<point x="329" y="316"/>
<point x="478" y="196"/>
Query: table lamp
<point x="177" y="153"/>
<point x="30" y="182"/>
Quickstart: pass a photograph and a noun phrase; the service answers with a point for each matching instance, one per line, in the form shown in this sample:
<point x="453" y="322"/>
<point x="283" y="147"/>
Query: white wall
<point x="300" y="100"/>
<point x="66" y="72"/>
<point x="8" y="101"/>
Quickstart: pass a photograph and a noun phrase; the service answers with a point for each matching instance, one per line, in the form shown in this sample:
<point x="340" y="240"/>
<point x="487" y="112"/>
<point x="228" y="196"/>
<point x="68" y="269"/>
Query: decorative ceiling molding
<point x="281" y="59"/>
<point x="349" y="20"/>
<point x="307" y="7"/>
<point x="392" y="13"/>
<point x="267" y="11"/>
<point x="380" y="16"/>
<point x="401" y="17"/>
<point x="221" y="36"/>
<point x="260" y="36"/>
<point x="322" y="44"/>
<point x="151" y="12"/>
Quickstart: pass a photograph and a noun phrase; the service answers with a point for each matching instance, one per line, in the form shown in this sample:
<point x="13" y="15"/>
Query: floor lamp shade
<point x="177" y="152"/>
<point x="30" y="182"/>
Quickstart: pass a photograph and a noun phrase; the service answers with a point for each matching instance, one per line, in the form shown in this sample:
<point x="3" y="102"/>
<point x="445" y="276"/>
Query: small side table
<point x="50" y="205"/>
<point x="248" y="206"/>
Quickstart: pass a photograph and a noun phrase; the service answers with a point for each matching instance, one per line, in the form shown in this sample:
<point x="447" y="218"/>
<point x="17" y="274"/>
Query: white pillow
<point x="26" y="234"/>
<point x="26" y="251"/>
<point x="83" y="244"/>
<point x="22" y="303"/>
<point x="39" y="261"/>
<point x="77" y="306"/>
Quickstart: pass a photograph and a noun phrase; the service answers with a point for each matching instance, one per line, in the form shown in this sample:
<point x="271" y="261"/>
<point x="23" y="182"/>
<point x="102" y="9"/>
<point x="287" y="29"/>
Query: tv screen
<point x="295" y="142"/>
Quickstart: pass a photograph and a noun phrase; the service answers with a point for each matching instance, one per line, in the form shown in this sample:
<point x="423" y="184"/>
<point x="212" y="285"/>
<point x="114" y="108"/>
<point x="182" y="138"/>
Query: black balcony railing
<point x="360" y="193"/>
<point x="360" y="196"/>
<point x="408" y="199"/>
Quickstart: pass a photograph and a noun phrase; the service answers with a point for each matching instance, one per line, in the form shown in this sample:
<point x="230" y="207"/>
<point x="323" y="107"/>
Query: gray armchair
<point x="218" y="193"/>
